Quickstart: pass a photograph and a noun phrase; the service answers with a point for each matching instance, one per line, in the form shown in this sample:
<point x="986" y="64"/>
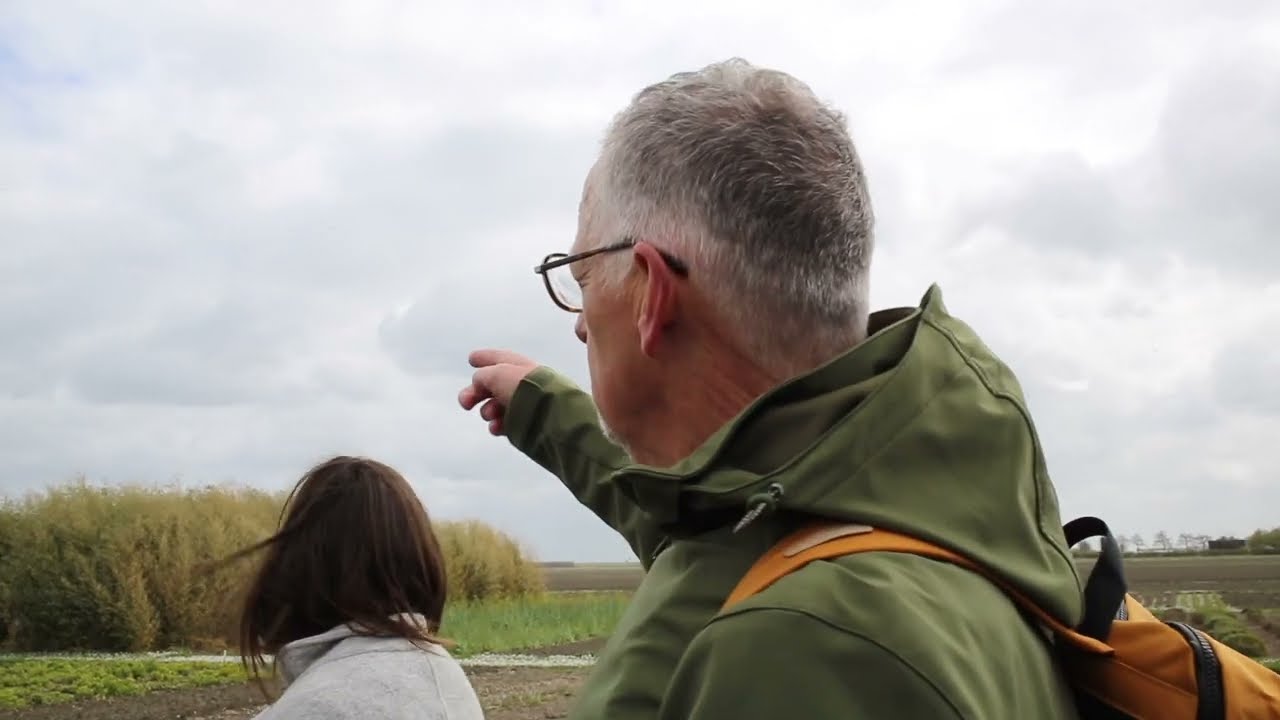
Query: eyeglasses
<point x="564" y="288"/>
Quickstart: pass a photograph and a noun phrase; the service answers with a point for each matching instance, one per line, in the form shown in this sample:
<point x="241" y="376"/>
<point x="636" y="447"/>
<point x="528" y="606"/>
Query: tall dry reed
<point x="126" y="568"/>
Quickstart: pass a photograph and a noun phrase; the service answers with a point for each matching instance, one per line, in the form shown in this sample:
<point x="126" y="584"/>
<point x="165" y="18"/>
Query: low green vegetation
<point x="1227" y="629"/>
<point x="500" y="625"/>
<point x="38" y="681"/>
<point x="552" y="619"/>
<point x="1208" y="612"/>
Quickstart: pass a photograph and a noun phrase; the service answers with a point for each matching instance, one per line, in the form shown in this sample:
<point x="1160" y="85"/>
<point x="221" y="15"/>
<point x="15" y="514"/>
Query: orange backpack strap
<point x="821" y="541"/>
<point x="1121" y="661"/>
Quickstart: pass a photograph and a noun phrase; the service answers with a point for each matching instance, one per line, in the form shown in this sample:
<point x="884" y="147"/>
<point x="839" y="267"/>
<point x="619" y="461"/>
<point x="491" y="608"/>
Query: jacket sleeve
<point x="557" y="425"/>
<point x="770" y="663"/>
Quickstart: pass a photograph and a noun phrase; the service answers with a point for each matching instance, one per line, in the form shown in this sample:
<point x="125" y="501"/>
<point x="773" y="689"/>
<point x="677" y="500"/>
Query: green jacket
<point x="920" y="429"/>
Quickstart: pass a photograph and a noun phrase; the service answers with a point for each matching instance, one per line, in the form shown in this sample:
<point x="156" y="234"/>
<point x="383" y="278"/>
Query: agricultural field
<point x="116" y="602"/>
<point x="1248" y="585"/>
<point x="569" y="577"/>
<point x="521" y="655"/>
<point x="506" y="693"/>
<point x="108" y="608"/>
<point x="1250" y="574"/>
<point x="1245" y="580"/>
<point x="567" y="623"/>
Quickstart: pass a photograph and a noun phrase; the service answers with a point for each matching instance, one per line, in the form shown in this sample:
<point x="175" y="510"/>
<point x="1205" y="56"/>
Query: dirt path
<point x="527" y="693"/>
<point x="505" y="694"/>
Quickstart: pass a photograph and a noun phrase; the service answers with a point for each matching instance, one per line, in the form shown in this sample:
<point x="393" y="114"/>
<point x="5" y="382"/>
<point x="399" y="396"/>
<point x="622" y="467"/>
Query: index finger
<point x="492" y="356"/>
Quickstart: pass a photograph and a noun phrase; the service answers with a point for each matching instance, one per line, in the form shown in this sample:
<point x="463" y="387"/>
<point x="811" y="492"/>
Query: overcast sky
<point x="239" y="237"/>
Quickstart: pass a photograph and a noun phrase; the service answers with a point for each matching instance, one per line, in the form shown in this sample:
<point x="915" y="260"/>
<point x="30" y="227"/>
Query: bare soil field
<point x="1268" y="638"/>
<point x="622" y="576"/>
<point x="1203" y="569"/>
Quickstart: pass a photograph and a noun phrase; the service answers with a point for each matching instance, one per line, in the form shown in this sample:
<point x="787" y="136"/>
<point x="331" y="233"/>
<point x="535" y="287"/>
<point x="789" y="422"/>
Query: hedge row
<point x="124" y="568"/>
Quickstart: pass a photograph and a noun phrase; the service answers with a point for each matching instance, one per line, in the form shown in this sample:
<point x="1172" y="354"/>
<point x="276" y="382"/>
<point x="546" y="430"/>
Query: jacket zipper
<point x="1208" y="674"/>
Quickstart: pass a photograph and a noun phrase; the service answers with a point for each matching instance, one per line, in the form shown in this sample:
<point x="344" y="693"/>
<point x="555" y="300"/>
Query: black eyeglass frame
<point x="558" y="259"/>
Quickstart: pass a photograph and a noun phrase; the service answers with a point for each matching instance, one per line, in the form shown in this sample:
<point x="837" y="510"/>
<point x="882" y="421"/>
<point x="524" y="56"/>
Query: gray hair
<point x="755" y="183"/>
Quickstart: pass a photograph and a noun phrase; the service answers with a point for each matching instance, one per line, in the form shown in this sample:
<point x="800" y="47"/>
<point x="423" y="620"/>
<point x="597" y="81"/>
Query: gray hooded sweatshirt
<point x="339" y="675"/>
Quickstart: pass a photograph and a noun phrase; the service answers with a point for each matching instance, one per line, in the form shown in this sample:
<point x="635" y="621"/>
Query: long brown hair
<point x="354" y="545"/>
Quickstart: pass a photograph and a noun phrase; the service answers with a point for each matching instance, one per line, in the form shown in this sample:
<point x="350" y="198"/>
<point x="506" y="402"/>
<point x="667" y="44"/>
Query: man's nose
<point x="580" y="328"/>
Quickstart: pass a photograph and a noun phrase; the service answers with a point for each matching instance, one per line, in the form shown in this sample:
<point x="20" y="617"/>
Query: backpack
<point x="1121" y="661"/>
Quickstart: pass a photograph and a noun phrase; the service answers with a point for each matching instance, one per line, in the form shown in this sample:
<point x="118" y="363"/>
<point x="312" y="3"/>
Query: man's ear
<point x="657" y="307"/>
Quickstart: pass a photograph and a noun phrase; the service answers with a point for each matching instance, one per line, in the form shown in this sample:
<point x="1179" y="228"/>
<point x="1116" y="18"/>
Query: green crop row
<point x="27" y="682"/>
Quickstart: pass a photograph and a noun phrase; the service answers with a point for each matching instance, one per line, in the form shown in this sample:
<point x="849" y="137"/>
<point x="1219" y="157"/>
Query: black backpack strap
<point x="1105" y="590"/>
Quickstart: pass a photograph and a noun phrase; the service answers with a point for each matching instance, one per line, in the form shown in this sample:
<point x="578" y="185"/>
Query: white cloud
<point x="236" y="240"/>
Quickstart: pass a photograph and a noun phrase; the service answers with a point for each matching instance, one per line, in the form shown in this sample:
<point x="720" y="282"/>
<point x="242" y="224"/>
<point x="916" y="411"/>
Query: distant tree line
<point x="1260" y="542"/>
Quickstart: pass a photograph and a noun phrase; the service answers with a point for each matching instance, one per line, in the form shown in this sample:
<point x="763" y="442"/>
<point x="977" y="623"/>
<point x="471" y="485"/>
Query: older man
<point x="739" y="388"/>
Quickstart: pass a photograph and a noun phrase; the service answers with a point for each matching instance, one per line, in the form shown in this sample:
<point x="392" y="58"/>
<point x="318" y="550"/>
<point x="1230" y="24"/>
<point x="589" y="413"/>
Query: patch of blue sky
<point x="26" y="87"/>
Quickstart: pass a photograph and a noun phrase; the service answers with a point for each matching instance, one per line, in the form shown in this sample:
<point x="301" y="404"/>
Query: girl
<point x="349" y="599"/>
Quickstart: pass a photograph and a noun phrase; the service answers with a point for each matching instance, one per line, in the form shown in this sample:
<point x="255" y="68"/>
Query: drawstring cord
<point x="760" y="504"/>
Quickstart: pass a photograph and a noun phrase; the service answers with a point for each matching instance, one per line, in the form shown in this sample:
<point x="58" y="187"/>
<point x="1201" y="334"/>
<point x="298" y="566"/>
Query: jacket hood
<point x="298" y="656"/>
<point x="919" y="429"/>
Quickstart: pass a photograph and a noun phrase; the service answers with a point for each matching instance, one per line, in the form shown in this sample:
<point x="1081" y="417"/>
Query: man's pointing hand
<point x="498" y="374"/>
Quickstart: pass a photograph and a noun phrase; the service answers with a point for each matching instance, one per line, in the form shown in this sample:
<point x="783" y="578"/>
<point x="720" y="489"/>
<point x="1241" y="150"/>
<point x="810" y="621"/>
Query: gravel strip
<point x="498" y="660"/>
